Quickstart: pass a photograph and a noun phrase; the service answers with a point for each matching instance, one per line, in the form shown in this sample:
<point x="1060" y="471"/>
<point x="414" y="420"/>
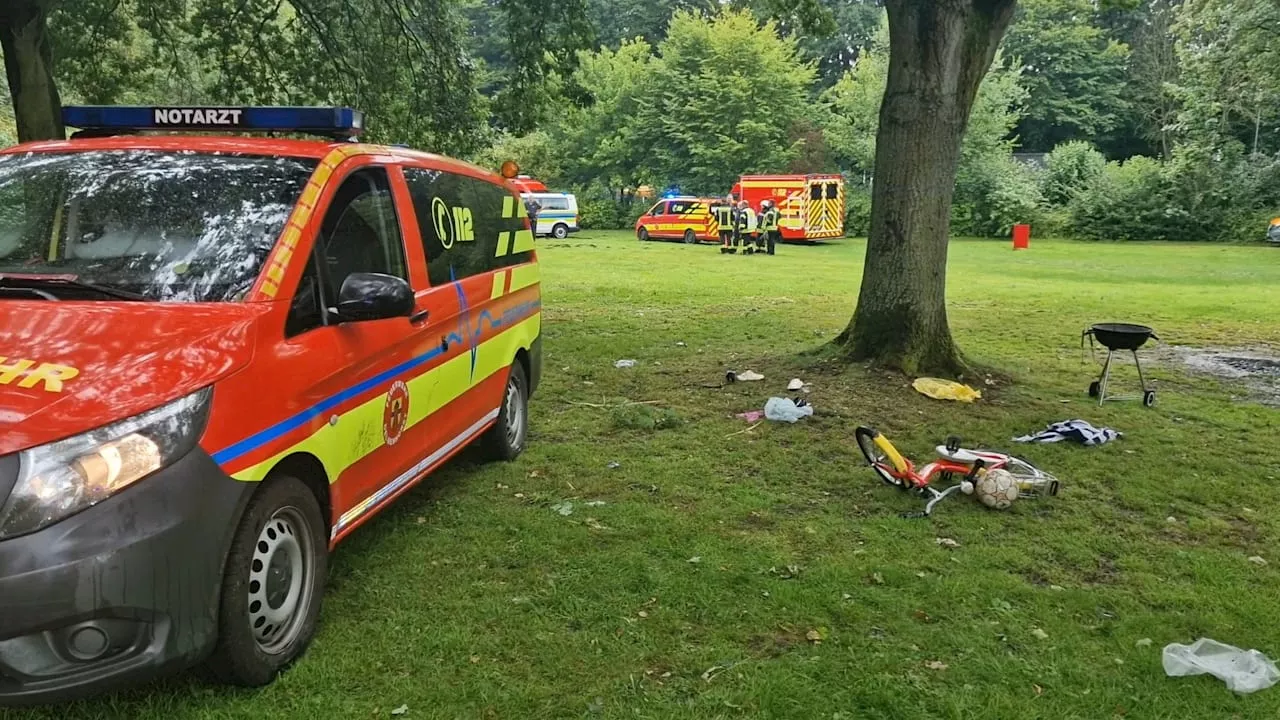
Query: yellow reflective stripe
<point x="508" y="206"/>
<point x="522" y="276"/>
<point x="499" y="284"/>
<point x="521" y="210"/>
<point x="523" y="242"/>
<point x="504" y="243"/>
<point x="358" y="431"/>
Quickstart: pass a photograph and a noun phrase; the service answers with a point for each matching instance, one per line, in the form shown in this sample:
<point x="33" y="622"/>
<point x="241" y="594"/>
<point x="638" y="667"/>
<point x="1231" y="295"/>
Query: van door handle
<point x="444" y="344"/>
<point x="418" y="317"/>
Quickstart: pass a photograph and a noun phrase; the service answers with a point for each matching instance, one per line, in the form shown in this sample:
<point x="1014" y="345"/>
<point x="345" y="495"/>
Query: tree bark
<point x="28" y="65"/>
<point x="939" y="51"/>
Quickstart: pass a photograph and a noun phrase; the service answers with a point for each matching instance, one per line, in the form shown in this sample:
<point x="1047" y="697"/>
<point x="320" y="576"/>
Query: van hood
<point x="69" y="367"/>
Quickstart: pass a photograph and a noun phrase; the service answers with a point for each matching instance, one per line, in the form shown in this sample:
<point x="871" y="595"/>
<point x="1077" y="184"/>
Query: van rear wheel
<point x="560" y="231"/>
<point x="689" y="237"/>
<point x="271" y="585"/>
<point x="505" y="440"/>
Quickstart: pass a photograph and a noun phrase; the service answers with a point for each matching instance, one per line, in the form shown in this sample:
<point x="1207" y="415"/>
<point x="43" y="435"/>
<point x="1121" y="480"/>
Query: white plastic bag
<point x="785" y="410"/>
<point x="1242" y="671"/>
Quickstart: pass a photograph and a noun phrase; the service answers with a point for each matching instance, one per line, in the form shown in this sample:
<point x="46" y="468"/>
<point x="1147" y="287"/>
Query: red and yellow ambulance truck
<point x="684" y="218"/>
<point x="811" y="206"/>
<point x="219" y="356"/>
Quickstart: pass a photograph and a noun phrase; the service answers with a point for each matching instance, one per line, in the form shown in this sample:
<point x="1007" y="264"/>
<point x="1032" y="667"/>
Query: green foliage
<point x="617" y="21"/>
<point x="605" y="213"/>
<point x="605" y="135"/>
<point x="542" y="39"/>
<point x="537" y="154"/>
<point x="854" y="23"/>
<point x="854" y="102"/>
<point x="1074" y="72"/>
<point x="721" y="100"/>
<point x="1230" y="84"/>
<point x="1071" y="168"/>
<point x="993" y="193"/>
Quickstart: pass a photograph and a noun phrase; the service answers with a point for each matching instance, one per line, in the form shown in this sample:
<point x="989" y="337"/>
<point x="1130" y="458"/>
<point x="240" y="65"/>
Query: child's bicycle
<point x="953" y="460"/>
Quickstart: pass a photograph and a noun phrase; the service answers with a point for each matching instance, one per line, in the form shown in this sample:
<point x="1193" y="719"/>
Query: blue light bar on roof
<point x="309" y="120"/>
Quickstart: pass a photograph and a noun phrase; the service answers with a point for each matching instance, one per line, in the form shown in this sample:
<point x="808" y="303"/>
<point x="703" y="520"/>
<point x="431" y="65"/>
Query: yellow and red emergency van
<point x="219" y="356"/>
<point x="685" y="218"/>
<point x="811" y="206"/>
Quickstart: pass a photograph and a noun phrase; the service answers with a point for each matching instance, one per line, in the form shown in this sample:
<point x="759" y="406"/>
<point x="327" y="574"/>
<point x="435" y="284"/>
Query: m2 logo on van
<point x="452" y="224"/>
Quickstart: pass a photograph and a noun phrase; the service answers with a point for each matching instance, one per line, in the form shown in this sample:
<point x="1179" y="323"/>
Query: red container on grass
<point x="1021" y="237"/>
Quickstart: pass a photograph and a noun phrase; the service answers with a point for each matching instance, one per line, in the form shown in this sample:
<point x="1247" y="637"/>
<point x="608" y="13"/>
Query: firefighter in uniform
<point x="723" y="213"/>
<point x="745" y="227"/>
<point x="769" y="232"/>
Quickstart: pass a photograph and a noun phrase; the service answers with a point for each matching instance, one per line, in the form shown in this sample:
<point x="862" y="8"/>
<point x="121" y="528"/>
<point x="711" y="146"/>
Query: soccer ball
<point x="997" y="489"/>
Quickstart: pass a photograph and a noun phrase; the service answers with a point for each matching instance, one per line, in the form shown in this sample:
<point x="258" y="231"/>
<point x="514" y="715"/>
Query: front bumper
<point x="119" y="593"/>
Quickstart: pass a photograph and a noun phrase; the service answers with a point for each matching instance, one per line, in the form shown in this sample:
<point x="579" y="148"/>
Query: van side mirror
<point x="374" y="296"/>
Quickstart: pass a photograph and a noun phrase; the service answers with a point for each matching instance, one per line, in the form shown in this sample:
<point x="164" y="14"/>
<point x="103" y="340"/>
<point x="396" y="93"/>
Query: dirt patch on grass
<point x="1255" y="370"/>
<point x="1106" y="573"/>
<point x="775" y="644"/>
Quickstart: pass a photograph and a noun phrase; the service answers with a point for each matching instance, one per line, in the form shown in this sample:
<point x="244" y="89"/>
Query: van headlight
<point x="64" y="477"/>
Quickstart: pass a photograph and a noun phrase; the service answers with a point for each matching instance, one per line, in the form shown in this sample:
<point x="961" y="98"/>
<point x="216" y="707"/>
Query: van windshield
<point x="170" y="226"/>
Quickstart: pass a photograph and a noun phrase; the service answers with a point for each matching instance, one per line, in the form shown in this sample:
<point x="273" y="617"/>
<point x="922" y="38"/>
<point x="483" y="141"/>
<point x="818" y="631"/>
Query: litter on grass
<point x="795" y="384"/>
<point x="750" y="376"/>
<point x="625" y="363"/>
<point x="751" y="415"/>
<point x="786" y="410"/>
<point x="1073" y="430"/>
<point x="940" y="389"/>
<point x="564" y="508"/>
<point x="1243" y="671"/>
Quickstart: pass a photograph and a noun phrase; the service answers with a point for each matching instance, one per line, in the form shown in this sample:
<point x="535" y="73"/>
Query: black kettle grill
<point x="1118" y="337"/>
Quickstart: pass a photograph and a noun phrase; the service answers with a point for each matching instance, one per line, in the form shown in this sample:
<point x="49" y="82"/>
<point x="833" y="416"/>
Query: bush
<point x="608" y="214"/>
<point x="992" y="195"/>
<point x="1199" y="195"/>
<point x="1071" y="168"/>
<point x="599" y="215"/>
<point x="1127" y="202"/>
<point x="857" y="209"/>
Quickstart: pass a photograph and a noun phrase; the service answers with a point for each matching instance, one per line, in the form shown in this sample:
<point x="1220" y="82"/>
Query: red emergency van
<point x="685" y="218"/>
<point x="811" y="206"/>
<point x="219" y="356"/>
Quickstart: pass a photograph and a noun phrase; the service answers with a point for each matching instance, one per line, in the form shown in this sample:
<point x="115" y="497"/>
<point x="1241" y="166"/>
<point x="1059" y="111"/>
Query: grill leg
<point x="1106" y="375"/>
<point x="1141" y="380"/>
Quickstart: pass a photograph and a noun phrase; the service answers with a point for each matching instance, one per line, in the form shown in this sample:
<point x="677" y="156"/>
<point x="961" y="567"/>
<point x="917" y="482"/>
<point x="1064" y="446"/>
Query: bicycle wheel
<point x="877" y="456"/>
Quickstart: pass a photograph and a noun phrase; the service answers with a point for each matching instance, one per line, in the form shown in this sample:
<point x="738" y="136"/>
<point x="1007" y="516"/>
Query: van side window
<point x="494" y="238"/>
<point x="361" y="232"/>
<point x="554" y="203"/>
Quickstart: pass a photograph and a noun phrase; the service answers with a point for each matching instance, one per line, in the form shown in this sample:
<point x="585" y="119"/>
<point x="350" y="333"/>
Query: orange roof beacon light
<point x="510" y="170"/>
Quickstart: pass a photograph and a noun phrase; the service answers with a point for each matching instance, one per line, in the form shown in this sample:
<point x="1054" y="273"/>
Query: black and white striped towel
<point x="1074" y="430"/>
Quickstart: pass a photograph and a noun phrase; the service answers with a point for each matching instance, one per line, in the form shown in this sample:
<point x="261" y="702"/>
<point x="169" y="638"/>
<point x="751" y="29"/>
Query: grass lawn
<point x="692" y="591"/>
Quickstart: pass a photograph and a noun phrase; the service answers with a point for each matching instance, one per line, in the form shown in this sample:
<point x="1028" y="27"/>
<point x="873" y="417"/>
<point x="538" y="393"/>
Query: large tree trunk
<point x="939" y="51"/>
<point x="28" y="64"/>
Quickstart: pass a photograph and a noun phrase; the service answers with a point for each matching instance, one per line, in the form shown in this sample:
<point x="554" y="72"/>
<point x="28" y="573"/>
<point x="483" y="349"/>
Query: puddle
<point x="1256" y="369"/>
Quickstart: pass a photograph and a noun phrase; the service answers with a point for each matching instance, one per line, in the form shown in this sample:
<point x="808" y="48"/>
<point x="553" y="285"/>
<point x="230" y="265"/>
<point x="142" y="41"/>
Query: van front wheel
<point x="560" y="231"/>
<point x="271" y="585"/>
<point x="643" y="235"/>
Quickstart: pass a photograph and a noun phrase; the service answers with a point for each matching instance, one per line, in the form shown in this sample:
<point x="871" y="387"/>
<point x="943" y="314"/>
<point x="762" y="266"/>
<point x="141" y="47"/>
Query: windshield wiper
<point x="68" y="281"/>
